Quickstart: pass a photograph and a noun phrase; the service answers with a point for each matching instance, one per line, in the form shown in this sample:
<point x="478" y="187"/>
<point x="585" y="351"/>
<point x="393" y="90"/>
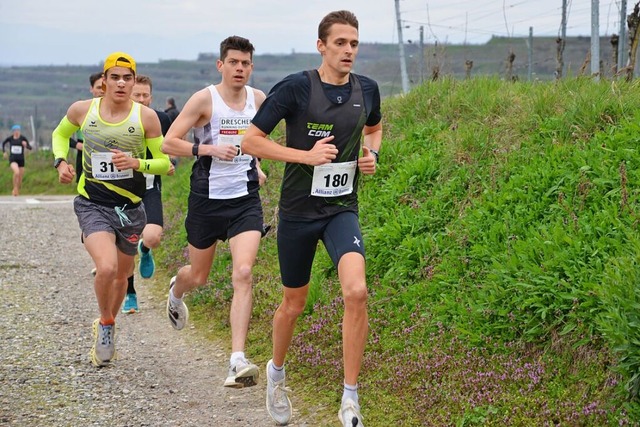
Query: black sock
<point x="130" y="288"/>
<point x="144" y="249"/>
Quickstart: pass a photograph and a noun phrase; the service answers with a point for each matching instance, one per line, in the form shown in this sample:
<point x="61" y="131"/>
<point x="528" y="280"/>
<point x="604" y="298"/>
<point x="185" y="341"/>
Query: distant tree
<point x="510" y="59"/>
<point x="468" y="65"/>
<point x="633" y="21"/>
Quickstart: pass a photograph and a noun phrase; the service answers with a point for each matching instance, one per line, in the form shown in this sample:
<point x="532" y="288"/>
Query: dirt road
<point x="162" y="377"/>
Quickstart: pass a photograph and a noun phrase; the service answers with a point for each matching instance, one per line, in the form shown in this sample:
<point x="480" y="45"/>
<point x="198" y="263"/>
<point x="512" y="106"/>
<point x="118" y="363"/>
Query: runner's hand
<point x="66" y="173"/>
<point x="367" y="163"/>
<point x="322" y="152"/>
<point x="122" y="161"/>
<point x="224" y="151"/>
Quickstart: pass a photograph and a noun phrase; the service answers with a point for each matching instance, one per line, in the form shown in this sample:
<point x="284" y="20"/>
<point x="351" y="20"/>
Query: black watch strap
<point x="375" y="154"/>
<point x="57" y="162"/>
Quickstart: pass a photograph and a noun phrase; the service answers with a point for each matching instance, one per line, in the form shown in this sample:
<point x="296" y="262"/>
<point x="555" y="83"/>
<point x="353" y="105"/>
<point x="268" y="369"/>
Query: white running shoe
<point x="242" y="374"/>
<point x="178" y="314"/>
<point x="278" y="403"/>
<point x="349" y="414"/>
<point x="104" y="346"/>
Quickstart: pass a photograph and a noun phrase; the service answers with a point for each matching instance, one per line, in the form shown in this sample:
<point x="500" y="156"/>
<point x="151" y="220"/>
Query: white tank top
<point x="226" y="179"/>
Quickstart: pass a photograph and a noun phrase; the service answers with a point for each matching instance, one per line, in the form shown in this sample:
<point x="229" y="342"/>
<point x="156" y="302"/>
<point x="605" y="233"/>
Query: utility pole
<point x="595" y="39"/>
<point x="530" y="50"/>
<point x="403" y="64"/>
<point x="563" y="32"/>
<point x="421" y="54"/>
<point x="622" y="39"/>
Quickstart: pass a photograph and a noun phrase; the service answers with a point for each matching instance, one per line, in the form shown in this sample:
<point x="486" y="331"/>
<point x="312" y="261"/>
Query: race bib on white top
<point x="333" y="179"/>
<point x="231" y="132"/>
<point x="242" y="158"/>
<point x="103" y="168"/>
<point x="16" y="149"/>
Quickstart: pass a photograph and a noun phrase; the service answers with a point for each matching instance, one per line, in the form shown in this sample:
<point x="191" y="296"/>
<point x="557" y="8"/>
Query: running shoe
<point x="130" y="305"/>
<point x="178" y="314"/>
<point x="278" y="403"/>
<point x="349" y="414"/>
<point x="242" y="374"/>
<point x="93" y="271"/>
<point x="104" y="346"/>
<point x="147" y="264"/>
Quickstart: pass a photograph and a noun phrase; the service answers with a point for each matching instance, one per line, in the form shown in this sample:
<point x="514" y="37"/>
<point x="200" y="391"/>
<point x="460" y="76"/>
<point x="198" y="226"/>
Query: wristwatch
<point x="57" y="162"/>
<point x="375" y="154"/>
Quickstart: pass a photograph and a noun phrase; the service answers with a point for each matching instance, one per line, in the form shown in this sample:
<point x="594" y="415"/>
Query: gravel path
<point x="162" y="376"/>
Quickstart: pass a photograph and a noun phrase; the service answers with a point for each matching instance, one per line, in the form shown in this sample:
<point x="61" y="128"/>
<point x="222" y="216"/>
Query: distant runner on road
<point x="17" y="144"/>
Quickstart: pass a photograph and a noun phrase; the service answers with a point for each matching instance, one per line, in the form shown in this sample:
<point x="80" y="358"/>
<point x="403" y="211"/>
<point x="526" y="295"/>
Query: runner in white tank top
<point x="223" y="202"/>
<point x="227" y="179"/>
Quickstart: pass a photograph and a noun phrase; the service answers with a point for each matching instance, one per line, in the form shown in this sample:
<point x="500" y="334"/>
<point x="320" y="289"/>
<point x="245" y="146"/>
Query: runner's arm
<point x="160" y="163"/>
<point x="195" y="113"/>
<point x="60" y="138"/>
<point x="373" y="136"/>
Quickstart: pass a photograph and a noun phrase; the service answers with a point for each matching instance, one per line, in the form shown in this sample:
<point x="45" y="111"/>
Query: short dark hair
<point x="235" y="43"/>
<point x="338" y="17"/>
<point x="144" y="80"/>
<point x="93" y="78"/>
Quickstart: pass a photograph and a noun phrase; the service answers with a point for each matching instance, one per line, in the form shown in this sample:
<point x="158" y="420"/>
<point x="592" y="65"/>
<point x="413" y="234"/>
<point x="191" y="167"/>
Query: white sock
<point x="276" y="373"/>
<point x="350" y="392"/>
<point x="236" y="356"/>
<point x="173" y="298"/>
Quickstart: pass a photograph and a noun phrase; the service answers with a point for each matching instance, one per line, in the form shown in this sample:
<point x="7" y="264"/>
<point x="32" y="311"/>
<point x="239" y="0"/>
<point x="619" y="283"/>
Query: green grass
<point x="40" y="177"/>
<point x="502" y="259"/>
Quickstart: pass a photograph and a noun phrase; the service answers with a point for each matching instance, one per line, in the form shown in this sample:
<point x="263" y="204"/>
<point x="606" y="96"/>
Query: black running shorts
<point x="210" y="220"/>
<point x="152" y="200"/>
<point x="297" y="242"/>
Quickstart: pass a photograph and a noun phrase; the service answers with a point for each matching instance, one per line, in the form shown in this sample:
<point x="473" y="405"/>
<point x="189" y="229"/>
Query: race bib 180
<point x="333" y="179"/>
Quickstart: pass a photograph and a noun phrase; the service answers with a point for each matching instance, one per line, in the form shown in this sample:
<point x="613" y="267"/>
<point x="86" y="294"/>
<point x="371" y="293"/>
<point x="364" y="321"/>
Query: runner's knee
<point x="355" y="295"/>
<point x="241" y="276"/>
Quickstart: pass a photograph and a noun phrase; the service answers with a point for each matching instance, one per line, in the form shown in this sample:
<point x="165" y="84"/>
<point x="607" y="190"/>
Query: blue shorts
<point x="298" y="240"/>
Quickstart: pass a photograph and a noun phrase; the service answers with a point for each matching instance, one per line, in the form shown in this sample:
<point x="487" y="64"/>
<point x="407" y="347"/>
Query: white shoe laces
<point x="280" y="396"/>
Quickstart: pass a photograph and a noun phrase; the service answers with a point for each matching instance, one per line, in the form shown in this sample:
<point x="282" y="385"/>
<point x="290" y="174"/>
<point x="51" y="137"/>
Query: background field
<point x="42" y="94"/>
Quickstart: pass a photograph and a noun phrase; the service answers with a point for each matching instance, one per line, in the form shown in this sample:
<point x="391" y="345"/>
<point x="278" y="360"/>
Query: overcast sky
<point x="84" y="32"/>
